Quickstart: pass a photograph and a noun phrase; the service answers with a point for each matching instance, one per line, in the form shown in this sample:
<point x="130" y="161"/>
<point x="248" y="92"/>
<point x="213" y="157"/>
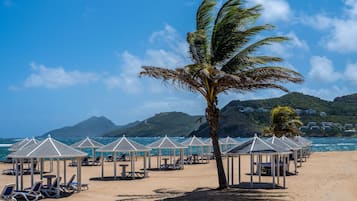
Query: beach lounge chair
<point x="97" y="161"/>
<point x="51" y="191"/>
<point x="122" y="158"/>
<point x="109" y="158"/>
<point x="85" y="161"/>
<point x="7" y="192"/>
<point x="30" y="194"/>
<point x="188" y="160"/>
<point x="69" y="186"/>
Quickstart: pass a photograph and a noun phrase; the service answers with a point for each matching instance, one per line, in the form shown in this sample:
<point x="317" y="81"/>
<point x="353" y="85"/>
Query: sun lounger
<point x="69" y="186"/>
<point x="109" y="158"/>
<point x="31" y="194"/>
<point x="51" y="191"/>
<point x="97" y="161"/>
<point x="188" y="160"/>
<point x="7" y="192"/>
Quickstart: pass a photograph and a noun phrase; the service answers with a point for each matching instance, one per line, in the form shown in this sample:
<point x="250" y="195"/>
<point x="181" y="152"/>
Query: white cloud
<point x="341" y="31"/>
<point x="352" y="7"/>
<point x="275" y="10"/>
<point x="287" y="49"/>
<point x="322" y="70"/>
<point x="351" y="72"/>
<point x="57" y="77"/>
<point x="174" y="54"/>
<point x="319" y="21"/>
<point x="127" y="80"/>
<point x="296" y="42"/>
<point x="326" y="93"/>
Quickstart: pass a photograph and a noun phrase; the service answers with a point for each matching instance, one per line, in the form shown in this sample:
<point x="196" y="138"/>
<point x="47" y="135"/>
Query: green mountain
<point x="94" y="126"/>
<point x="167" y="123"/>
<point x="244" y="118"/>
<point x="238" y="118"/>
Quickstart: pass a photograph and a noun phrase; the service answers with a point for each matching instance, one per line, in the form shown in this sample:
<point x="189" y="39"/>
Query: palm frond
<point x="234" y="63"/>
<point x="273" y="73"/>
<point x="198" y="46"/>
<point x="231" y="30"/>
<point x="204" y="15"/>
<point x="178" y="77"/>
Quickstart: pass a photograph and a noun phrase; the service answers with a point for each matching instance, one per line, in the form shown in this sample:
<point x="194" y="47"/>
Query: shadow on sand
<point x="203" y="194"/>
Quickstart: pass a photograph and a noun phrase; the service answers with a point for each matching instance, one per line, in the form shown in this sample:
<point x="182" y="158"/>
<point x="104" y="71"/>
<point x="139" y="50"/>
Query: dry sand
<point x="324" y="177"/>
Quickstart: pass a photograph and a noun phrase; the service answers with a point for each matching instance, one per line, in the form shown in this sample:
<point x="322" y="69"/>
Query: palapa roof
<point x="208" y="141"/>
<point x="302" y="140"/>
<point x="166" y="143"/>
<point x="194" y="141"/>
<point x="87" y="143"/>
<point x="255" y="145"/>
<point x="228" y="140"/>
<point x="291" y="142"/>
<point x="18" y="144"/>
<point x="23" y="143"/>
<point x="278" y="142"/>
<point x="123" y="144"/>
<point x="48" y="148"/>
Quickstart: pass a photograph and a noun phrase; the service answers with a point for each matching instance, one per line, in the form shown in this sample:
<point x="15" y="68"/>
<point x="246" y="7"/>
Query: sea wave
<point x="321" y="145"/>
<point x="346" y="144"/>
<point x="5" y="145"/>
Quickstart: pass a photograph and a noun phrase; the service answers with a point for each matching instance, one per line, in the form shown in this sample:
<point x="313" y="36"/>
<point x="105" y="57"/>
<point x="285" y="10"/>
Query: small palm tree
<point x="284" y="121"/>
<point x="225" y="59"/>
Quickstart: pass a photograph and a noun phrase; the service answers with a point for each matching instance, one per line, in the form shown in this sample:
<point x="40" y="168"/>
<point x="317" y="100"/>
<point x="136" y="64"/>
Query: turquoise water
<point x="319" y="144"/>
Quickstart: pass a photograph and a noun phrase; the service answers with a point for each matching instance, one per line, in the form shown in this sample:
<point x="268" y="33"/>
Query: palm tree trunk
<point x="212" y="116"/>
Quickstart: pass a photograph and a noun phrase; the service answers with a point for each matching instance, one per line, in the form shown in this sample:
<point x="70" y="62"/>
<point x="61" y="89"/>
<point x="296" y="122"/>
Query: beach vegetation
<point x="284" y="121"/>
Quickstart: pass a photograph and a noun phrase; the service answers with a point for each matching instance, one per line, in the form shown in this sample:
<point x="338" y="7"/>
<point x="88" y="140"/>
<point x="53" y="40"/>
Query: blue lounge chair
<point x="7" y="192"/>
<point x="31" y="194"/>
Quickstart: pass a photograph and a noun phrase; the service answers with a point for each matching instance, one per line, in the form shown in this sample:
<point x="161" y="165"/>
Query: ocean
<point x="318" y="145"/>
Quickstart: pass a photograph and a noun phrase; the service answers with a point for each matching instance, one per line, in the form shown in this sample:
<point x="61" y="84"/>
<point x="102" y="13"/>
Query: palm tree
<point x="224" y="59"/>
<point x="284" y="121"/>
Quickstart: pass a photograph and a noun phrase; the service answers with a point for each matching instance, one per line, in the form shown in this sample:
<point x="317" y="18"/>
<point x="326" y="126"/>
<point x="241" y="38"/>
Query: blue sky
<point x="64" y="61"/>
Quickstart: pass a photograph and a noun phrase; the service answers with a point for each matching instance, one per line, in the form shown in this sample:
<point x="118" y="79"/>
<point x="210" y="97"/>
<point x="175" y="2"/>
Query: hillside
<point x="94" y="126"/>
<point x="168" y="123"/>
<point x="238" y="118"/>
<point x="244" y="118"/>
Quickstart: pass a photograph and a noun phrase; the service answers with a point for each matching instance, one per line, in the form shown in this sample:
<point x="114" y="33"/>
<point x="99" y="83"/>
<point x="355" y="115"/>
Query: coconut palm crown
<point x="284" y="121"/>
<point x="224" y="50"/>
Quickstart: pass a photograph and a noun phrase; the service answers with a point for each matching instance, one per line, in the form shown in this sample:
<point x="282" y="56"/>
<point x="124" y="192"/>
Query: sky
<point x="62" y="62"/>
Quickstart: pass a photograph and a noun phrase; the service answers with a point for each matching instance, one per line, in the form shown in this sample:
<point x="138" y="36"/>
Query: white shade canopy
<point x="18" y="144"/>
<point x="23" y="143"/>
<point x="87" y="143"/>
<point x="255" y="145"/>
<point x="48" y="148"/>
<point x="228" y="140"/>
<point x="280" y="143"/>
<point x="291" y="142"/>
<point x="166" y="143"/>
<point x="194" y="142"/>
<point x="123" y="144"/>
<point x="302" y="140"/>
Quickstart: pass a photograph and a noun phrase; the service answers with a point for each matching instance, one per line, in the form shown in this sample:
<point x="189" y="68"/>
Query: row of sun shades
<point x="277" y="152"/>
<point x="51" y="148"/>
<point x="164" y="143"/>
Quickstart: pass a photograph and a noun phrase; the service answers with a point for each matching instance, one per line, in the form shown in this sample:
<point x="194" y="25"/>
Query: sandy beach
<point x="326" y="176"/>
